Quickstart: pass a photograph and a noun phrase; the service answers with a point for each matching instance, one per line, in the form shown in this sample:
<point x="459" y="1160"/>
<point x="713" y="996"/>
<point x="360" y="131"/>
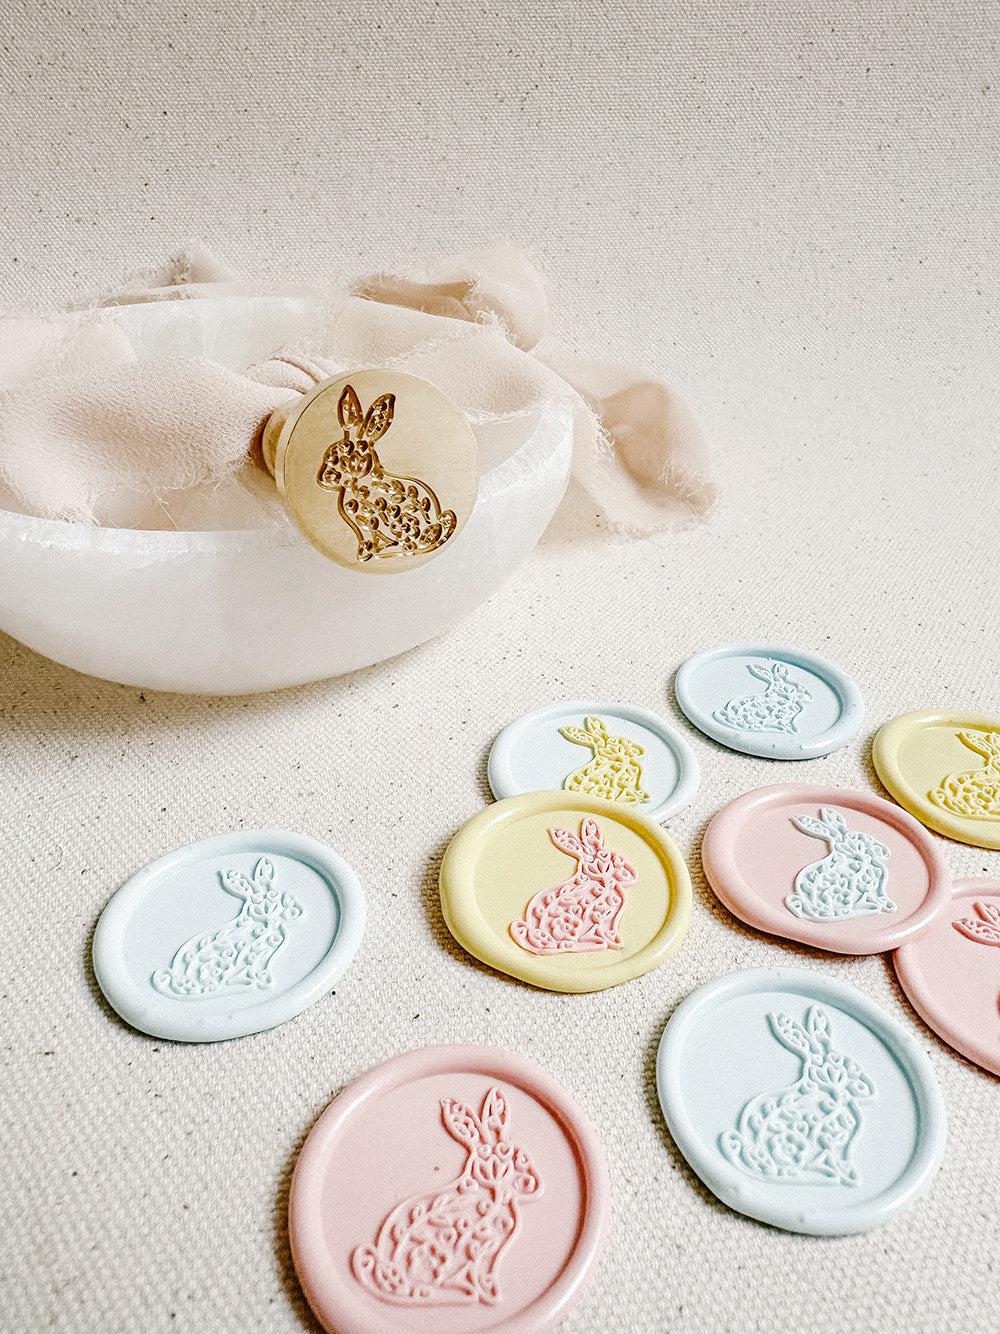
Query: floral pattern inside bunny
<point x="805" y="1132"/>
<point x="850" y="881"/>
<point x="776" y="710"/>
<point x="615" y="772"/>
<point x="974" y="793"/>
<point x="239" y="955"/>
<point x="443" y="1246"/>
<point x="390" y="515"/>
<point x="581" y="914"/>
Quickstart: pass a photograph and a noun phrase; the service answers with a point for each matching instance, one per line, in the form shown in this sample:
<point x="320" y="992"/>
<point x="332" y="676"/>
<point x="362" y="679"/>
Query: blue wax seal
<point x="617" y="752"/>
<point x="799" y="1102"/>
<point x="779" y="703"/>
<point x="228" y="936"/>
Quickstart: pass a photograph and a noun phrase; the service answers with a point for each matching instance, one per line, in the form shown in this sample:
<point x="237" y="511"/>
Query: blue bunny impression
<point x="228" y="936"/>
<point x="778" y="703"/>
<point x="798" y="1102"/>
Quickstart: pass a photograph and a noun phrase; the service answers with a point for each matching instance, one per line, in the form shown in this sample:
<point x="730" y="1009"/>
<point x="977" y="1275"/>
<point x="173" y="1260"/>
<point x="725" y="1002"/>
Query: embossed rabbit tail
<point x="582" y="914"/>
<point x="390" y="515"/>
<point x="776" y="710"/>
<point x="974" y="793"/>
<point x="239" y="955"/>
<point x="444" y="1246"/>
<point x="805" y="1132"/>
<point x="850" y="881"/>
<point x="984" y="927"/>
<point x="615" y="772"/>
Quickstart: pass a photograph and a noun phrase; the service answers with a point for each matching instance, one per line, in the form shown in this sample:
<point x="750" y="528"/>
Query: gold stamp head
<point x="379" y="469"/>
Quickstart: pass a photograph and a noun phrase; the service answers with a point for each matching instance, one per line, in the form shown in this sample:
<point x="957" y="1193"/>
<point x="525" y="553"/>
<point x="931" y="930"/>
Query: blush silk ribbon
<point x="154" y="430"/>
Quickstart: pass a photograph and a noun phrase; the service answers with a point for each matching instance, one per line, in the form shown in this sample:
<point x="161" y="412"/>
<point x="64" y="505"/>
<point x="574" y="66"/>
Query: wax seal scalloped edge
<point x="149" y="1012"/>
<point x="334" y="1304"/>
<point x="722" y="1179"/>
<point x="774" y="746"/>
<point x="499" y="765"/>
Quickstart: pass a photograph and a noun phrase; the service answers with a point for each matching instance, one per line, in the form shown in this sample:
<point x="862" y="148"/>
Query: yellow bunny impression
<point x="615" y="772"/>
<point x="974" y="793"/>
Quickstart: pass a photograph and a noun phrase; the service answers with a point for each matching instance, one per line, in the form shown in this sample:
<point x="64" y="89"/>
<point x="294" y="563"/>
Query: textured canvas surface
<point x="791" y="211"/>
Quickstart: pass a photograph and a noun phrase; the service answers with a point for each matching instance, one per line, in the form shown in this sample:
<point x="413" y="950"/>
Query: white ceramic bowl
<point x="232" y="612"/>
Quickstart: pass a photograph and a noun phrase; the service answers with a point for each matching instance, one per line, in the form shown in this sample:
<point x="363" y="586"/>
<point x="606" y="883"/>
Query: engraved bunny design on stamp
<point x="583" y="913"/>
<point x="443" y="1246"/>
<point x="390" y="515"/>
<point x="615" y="772"/>
<point x="974" y="793"/>
<point x="984" y="928"/>
<point x="773" y="711"/>
<point x="239" y="955"/>
<point x="850" y="881"/>
<point x="803" y="1133"/>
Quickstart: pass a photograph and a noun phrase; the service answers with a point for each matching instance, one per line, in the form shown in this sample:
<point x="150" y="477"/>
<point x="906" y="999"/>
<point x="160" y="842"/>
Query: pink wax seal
<point x="840" y="870"/>
<point x="450" y="1189"/>
<point x="951" y="972"/>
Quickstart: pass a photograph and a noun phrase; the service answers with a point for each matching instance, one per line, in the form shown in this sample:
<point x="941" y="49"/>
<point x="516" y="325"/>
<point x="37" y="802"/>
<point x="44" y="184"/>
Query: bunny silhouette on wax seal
<point x="238" y="956"/>
<point x="582" y="914"/>
<point x="443" y="1246"/>
<point x="614" y="773"/>
<point x="803" y="1133"/>
<point x="850" y="881"/>
<point x="390" y="515"/>
<point x="984" y="927"/>
<point x="773" y="711"/>
<point x="976" y="792"/>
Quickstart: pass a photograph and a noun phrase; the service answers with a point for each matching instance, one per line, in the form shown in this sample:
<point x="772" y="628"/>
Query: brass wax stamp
<point x="379" y="469"/>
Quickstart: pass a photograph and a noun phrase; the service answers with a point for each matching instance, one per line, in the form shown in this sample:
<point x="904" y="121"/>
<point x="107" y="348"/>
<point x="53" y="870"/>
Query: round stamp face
<point x="566" y="892"/>
<point x="451" y="1189"/>
<point x="951" y="972"/>
<point x="779" y="703"/>
<point x="228" y="936"/>
<point x="379" y="469"/>
<point x="799" y="1102"/>
<point x="945" y="769"/>
<point x="840" y="870"/>
<point x="612" y="751"/>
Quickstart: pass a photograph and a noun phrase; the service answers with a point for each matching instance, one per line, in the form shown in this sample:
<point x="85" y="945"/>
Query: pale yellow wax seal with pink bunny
<point x="565" y="891"/>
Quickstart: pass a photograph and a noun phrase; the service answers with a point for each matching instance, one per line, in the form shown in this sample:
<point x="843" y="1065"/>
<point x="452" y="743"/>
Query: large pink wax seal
<point x="951" y="972"/>
<point x="451" y="1189"/>
<point x="840" y="870"/>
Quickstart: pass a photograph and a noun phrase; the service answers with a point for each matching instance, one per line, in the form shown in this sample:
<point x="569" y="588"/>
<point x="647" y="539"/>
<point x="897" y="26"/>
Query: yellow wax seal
<point x="567" y="892"/>
<point x="379" y="469"/>
<point x="944" y="768"/>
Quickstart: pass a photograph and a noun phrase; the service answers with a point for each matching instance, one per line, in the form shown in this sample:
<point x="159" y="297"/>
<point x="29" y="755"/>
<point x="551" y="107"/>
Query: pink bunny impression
<point x="582" y="914"/>
<point x="443" y="1246"/>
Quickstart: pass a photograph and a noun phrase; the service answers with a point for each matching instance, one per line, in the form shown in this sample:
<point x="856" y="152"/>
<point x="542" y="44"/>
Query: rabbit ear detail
<point x="818" y="1026"/>
<point x="596" y="728"/>
<point x="238" y="883"/>
<point x="494" y="1114"/>
<point x="461" y="1122"/>
<point x="790" y="1033"/>
<point x="984" y="928"/>
<point x="566" y="842"/>
<point x="264" y="873"/>
<point x="761" y="672"/>
<point x="349" y="409"/>
<point x="591" y="836"/>
<point x="378" y="418"/>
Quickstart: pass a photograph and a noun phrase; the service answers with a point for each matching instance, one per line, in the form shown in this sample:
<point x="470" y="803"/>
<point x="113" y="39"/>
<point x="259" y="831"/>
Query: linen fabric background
<point x="790" y="212"/>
